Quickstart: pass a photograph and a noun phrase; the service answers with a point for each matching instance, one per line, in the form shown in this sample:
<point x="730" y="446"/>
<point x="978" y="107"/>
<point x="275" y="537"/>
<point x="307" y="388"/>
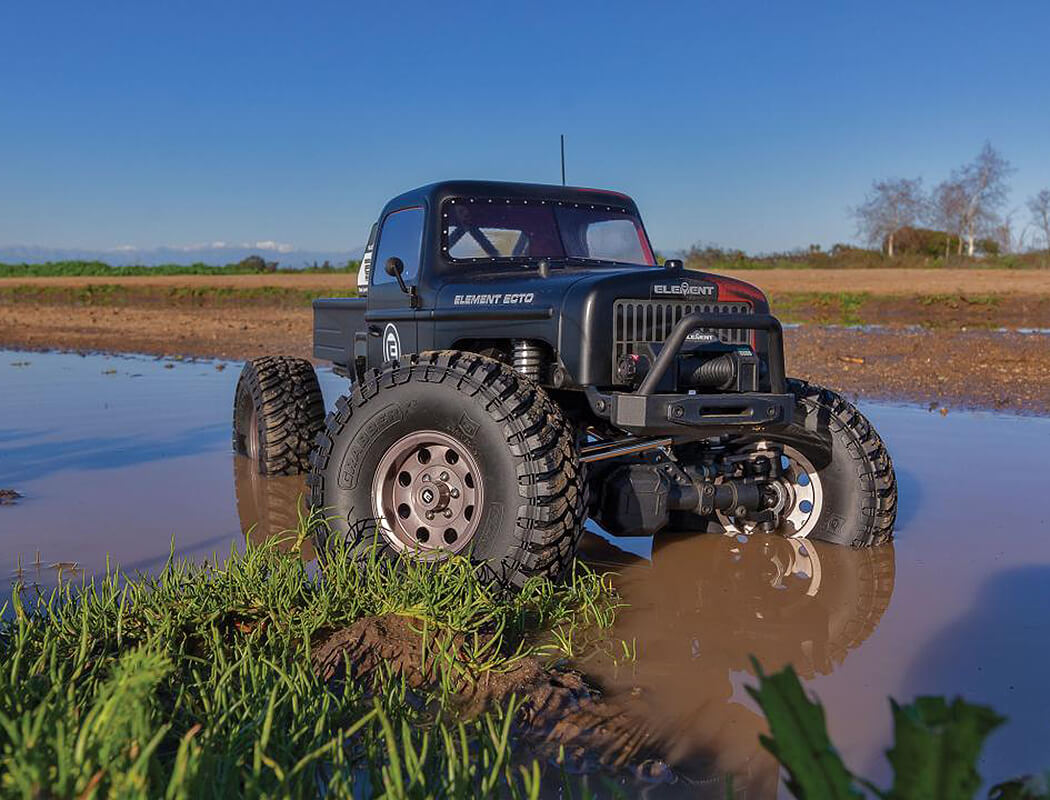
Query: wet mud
<point x="115" y="456"/>
<point x="561" y="714"/>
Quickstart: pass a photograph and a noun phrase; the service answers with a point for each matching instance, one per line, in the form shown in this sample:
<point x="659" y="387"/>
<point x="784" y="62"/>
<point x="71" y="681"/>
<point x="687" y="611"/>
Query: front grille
<point x="639" y="323"/>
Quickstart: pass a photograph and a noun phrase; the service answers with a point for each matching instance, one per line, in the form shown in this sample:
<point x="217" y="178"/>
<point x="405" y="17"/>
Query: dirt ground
<point x="773" y="281"/>
<point x="899" y="281"/>
<point x="954" y="359"/>
<point x="945" y="367"/>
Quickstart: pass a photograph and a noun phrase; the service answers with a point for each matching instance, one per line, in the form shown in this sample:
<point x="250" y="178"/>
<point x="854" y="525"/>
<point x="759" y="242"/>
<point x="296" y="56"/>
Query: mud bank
<point x="561" y="713"/>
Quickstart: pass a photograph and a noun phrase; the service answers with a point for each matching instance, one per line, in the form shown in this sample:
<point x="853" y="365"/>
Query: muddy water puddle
<point x="116" y="456"/>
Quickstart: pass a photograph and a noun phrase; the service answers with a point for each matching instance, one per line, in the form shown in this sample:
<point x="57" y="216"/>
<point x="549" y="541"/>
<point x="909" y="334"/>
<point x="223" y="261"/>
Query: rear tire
<point x="478" y="433"/>
<point x="278" y="411"/>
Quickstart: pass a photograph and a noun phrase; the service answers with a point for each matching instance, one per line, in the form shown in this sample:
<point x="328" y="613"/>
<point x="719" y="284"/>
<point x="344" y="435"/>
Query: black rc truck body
<point x="519" y="361"/>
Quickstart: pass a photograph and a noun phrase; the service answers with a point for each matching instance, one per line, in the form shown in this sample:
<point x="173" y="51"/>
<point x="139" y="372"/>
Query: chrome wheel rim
<point x="801" y="499"/>
<point x="427" y="494"/>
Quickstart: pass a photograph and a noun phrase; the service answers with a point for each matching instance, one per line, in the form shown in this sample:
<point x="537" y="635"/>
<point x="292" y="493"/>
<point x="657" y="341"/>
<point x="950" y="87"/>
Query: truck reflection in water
<point x="699" y="610"/>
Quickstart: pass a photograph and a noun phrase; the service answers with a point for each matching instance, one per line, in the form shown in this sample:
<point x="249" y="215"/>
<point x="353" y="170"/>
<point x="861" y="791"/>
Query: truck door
<point x="391" y="318"/>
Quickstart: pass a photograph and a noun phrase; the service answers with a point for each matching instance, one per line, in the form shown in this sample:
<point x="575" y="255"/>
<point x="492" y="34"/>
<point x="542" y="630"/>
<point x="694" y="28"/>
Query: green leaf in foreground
<point x="1030" y="787"/>
<point x="799" y="739"/>
<point x="936" y="746"/>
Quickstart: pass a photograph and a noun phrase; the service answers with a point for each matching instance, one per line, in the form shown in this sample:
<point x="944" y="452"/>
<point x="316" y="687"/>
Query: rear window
<point x="484" y="229"/>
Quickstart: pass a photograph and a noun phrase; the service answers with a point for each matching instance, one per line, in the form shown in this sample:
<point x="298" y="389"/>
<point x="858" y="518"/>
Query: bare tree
<point x="947" y="209"/>
<point x="1004" y="234"/>
<point x="983" y="183"/>
<point x="890" y="205"/>
<point x="1039" y="207"/>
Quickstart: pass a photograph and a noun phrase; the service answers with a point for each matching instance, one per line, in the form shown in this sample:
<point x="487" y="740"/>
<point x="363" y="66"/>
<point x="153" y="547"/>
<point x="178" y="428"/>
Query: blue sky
<point x="743" y="124"/>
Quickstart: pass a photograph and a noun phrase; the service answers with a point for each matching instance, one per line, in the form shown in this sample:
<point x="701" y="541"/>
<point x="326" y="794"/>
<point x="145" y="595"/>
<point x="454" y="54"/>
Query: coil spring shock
<point x="527" y="358"/>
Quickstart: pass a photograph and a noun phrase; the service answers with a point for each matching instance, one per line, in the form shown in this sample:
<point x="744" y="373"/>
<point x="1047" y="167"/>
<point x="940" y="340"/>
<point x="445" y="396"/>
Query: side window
<point x="401" y="235"/>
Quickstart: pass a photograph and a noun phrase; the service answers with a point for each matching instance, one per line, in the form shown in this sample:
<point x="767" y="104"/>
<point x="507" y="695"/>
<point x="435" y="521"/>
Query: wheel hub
<point x="426" y="493"/>
<point x="798" y="502"/>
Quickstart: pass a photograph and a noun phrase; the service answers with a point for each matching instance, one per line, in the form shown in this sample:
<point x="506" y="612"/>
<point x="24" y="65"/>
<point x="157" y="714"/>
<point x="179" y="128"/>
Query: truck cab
<point x="484" y="265"/>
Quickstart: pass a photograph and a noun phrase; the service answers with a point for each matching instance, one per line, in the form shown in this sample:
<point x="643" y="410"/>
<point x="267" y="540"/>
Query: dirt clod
<point x="8" y="497"/>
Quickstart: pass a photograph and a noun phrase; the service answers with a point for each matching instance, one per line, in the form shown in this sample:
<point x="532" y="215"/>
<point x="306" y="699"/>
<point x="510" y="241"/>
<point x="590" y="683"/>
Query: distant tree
<point x="1039" y="207"/>
<point x="1002" y="236"/>
<point x="923" y="241"/>
<point x="890" y="206"/>
<point x="253" y="263"/>
<point x="947" y="210"/>
<point x="983" y="185"/>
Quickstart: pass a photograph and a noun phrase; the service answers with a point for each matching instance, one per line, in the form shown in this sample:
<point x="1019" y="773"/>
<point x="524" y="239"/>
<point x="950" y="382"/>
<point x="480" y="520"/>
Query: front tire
<point x="451" y="452"/>
<point x="847" y="492"/>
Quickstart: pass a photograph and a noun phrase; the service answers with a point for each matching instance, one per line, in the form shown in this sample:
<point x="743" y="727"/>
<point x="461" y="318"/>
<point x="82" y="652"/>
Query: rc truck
<point x="519" y="361"/>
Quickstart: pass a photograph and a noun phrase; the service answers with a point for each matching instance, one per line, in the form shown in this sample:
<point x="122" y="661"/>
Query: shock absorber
<point x="527" y="358"/>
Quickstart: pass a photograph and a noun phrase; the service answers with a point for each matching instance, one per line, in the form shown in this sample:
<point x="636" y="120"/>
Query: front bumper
<point x="647" y="414"/>
<point x="677" y="414"/>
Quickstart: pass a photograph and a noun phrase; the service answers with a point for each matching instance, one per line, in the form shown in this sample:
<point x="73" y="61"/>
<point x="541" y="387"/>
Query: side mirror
<point x="673" y="263"/>
<point x="394" y="268"/>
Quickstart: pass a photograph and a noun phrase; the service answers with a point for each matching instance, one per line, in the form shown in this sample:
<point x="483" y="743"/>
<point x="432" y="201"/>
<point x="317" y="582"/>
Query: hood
<point x="566" y="286"/>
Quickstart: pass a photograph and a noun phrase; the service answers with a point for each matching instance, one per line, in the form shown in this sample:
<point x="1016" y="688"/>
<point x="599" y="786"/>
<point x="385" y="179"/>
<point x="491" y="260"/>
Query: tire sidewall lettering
<point x="359" y="447"/>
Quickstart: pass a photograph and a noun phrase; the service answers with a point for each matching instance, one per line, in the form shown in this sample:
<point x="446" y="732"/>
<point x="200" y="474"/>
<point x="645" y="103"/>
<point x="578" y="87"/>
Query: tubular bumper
<point x="647" y="414"/>
<point x="698" y="320"/>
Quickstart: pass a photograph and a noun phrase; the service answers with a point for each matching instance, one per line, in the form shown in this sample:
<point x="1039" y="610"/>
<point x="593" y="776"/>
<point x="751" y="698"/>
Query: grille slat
<point x="639" y="323"/>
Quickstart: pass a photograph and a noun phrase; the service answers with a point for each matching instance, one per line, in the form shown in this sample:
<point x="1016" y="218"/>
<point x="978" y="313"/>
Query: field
<point x="935" y="340"/>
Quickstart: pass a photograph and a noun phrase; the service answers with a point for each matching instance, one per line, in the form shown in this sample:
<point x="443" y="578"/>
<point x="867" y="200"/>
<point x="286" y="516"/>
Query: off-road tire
<point x="283" y="396"/>
<point x="860" y="486"/>
<point x="534" y="504"/>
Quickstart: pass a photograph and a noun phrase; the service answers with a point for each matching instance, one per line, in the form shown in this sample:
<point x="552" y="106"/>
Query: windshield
<point x="484" y="229"/>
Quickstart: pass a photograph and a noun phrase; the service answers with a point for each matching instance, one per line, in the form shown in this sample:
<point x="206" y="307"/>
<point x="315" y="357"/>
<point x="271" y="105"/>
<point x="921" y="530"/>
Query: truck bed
<point x="336" y="322"/>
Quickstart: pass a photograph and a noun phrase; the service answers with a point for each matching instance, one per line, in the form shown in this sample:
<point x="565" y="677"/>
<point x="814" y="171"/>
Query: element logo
<point x="685" y="288"/>
<point x="391" y="342"/>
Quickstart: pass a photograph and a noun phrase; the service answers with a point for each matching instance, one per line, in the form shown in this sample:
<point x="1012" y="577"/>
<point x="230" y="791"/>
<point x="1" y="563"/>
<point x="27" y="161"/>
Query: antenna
<point x="563" y="159"/>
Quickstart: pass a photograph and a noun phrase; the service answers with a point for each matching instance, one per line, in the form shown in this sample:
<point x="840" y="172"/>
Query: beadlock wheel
<point x="253" y="436"/>
<point x="427" y="494"/>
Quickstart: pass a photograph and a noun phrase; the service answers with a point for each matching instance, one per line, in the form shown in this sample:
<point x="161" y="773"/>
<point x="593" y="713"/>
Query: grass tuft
<point x="197" y="681"/>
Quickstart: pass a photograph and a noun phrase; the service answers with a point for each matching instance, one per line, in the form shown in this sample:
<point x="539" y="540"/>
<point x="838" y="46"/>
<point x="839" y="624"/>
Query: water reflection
<point x="270" y="508"/>
<point x="701" y="608"/>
